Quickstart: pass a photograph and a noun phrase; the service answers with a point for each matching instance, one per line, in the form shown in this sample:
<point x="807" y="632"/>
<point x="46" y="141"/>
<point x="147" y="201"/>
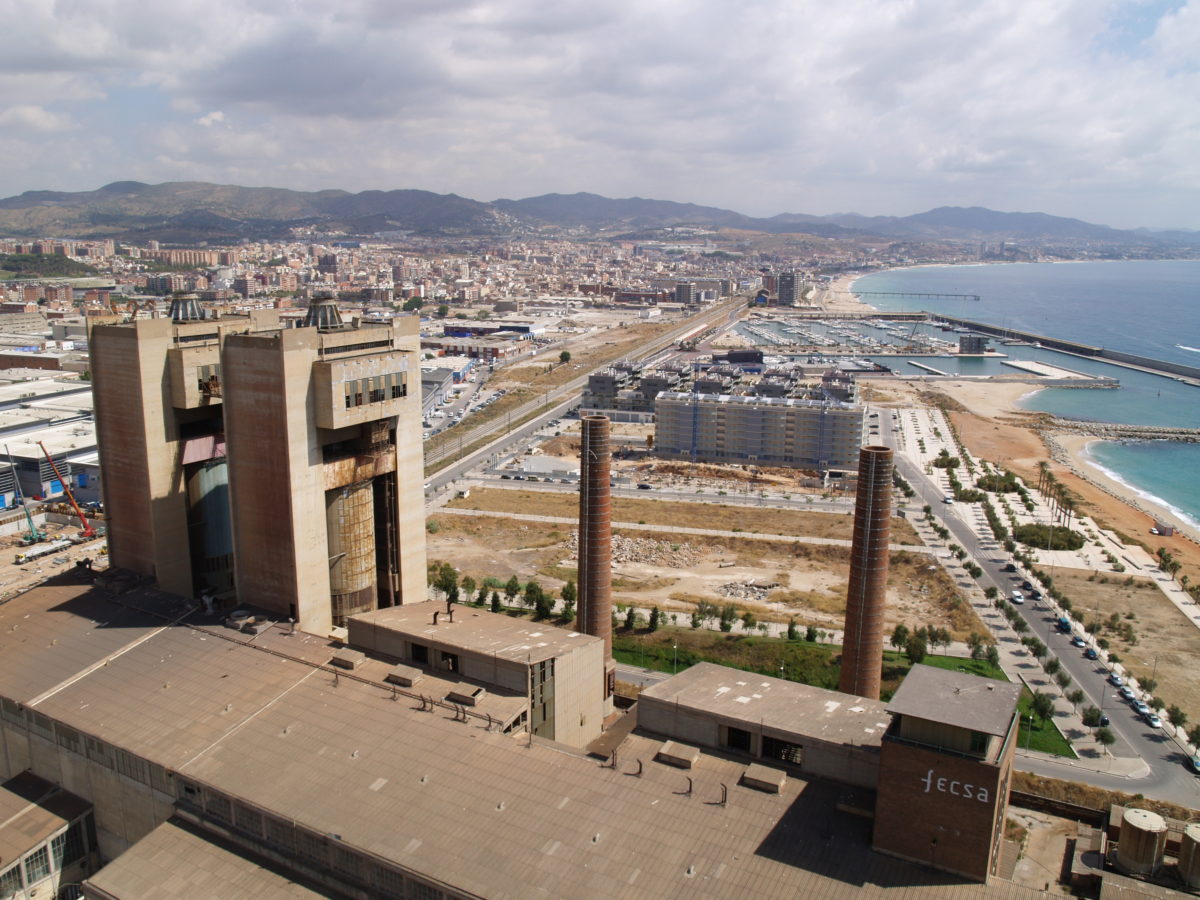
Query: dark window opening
<point x="737" y="739"/>
<point x="450" y="662"/>
<point x="420" y="654"/>
<point x="774" y="748"/>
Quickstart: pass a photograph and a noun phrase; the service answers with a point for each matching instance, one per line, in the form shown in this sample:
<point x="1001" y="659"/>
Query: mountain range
<point x="194" y="212"/>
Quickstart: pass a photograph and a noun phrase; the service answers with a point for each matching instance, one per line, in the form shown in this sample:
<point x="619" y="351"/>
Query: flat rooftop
<point x="475" y="630"/>
<point x="455" y="801"/>
<point x="174" y="861"/>
<point x="32" y="809"/>
<point x="956" y="698"/>
<point x="785" y="705"/>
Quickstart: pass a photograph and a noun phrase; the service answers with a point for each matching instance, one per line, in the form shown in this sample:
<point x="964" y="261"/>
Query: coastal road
<point x="1170" y="778"/>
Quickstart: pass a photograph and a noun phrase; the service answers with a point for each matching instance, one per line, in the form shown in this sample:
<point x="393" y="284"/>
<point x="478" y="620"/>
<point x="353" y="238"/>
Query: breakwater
<point x="1115" y="432"/>
<point x="1117" y="357"/>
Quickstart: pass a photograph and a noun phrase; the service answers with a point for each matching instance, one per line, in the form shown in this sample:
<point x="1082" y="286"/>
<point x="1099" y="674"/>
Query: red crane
<point x="86" y="530"/>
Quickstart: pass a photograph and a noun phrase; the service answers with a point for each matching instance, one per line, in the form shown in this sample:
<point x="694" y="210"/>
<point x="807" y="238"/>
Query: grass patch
<point x="675" y="649"/>
<point x="1043" y="736"/>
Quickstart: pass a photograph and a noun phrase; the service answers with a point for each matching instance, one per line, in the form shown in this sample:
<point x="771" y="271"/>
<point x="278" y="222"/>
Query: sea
<point x="1147" y="307"/>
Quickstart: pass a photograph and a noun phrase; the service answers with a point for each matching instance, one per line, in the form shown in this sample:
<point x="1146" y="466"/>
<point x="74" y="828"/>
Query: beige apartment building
<point x="277" y="467"/>
<point x="823" y="435"/>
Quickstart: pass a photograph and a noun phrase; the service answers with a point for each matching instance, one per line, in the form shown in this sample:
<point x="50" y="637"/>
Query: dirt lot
<point x="776" y="580"/>
<point x="1160" y="631"/>
<point x="712" y="516"/>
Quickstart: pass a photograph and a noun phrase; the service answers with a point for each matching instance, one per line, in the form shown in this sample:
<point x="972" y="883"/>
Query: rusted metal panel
<point x="350" y="520"/>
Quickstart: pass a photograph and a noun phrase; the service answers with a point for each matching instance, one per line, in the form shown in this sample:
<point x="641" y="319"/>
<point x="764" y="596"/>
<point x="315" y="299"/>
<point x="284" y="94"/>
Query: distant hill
<point x="194" y="212"/>
<point x="20" y="265"/>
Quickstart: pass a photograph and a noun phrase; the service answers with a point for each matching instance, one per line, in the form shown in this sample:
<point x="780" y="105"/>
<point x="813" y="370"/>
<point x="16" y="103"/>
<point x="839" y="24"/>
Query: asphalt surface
<point x="1170" y="777"/>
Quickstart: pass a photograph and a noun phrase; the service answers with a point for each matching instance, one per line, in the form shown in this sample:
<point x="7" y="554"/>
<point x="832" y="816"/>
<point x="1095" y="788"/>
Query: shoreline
<point x="1075" y="448"/>
<point x="993" y="426"/>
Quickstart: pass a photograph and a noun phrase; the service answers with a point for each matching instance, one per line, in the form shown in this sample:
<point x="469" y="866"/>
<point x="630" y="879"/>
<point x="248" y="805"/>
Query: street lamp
<point x="1029" y="730"/>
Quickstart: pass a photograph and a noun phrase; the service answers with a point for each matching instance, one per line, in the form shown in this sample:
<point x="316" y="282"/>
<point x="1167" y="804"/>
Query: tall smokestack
<point x="595" y="536"/>
<point x="862" y="646"/>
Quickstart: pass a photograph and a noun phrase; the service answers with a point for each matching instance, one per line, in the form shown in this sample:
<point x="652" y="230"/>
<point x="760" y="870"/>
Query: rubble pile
<point x="746" y="590"/>
<point x="648" y="551"/>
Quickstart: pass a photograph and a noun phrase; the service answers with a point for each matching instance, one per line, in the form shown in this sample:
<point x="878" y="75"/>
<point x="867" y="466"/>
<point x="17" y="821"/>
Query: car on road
<point x="1115" y="680"/>
<point x="1195" y="761"/>
<point x="1141" y="708"/>
<point x="1153" y="720"/>
<point x="1090" y="653"/>
<point x="947" y="499"/>
<point x="1104" y="721"/>
<point x="1017" y="598"/>
<point x="1127" y="693"/>
<point x="645" y="487"/>
<point x="1010" y="567"/>
<point x="1078" y="641"/>
<point x="1036" y="595"/>
<point x="1027" y="585"/>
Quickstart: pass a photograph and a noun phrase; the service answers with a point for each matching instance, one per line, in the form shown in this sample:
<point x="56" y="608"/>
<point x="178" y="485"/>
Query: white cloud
<point x="33" y="119"/>
<point x="883" y="106"/>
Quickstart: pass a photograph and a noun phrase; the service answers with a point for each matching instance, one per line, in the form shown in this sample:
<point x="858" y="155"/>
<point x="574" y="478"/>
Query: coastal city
<point x="522" y="451"/>
<point x="717" y="410"/>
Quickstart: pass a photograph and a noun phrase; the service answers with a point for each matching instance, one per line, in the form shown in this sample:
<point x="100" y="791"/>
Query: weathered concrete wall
<point x="139" y="442"/>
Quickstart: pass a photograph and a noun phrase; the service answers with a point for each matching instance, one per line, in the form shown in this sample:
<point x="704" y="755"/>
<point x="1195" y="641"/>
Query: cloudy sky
<point x="1086" y="108"/>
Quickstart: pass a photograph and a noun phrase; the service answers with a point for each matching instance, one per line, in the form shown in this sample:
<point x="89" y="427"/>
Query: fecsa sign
<point x="957" y="788"/>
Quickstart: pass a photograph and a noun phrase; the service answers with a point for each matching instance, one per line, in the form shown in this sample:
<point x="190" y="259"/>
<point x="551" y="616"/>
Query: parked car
<point x="1104" y="721"/>
<point x="1153" y="720"/>
<point x="1078" y="641"/>
<point x="1017" y="598"/>
<point x="1127" y="693"/>
<point x="1010" y="567"/>
<point x="1115" y="680"/>
<point x="1142" y="708"/>
<point x="1195" y="761"/>
<point x="1090" y="653"/>
<point x="1027" y="585"/>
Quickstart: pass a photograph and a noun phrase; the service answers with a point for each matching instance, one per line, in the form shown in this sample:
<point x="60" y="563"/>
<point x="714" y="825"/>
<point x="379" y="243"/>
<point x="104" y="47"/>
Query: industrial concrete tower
<point x="278" y="466"/>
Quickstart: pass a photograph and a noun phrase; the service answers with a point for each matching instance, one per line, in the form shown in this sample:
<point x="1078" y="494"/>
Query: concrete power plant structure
<point x="862" y="650"/>
<point x="278" y="465"/>
<point x="595" y="538"/>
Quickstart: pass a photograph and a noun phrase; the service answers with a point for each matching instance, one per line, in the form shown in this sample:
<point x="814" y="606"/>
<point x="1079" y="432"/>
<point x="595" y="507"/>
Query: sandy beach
<point x="992" y="426"/>
<point x="835" y="299"/>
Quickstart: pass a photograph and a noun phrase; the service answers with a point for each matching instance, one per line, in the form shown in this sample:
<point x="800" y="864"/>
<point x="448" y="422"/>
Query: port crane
<point x="34" y="534"/>
<point x="86" y="529"/>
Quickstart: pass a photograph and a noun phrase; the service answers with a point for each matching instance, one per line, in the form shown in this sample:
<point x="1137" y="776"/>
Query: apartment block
<point x="775" y="431"/>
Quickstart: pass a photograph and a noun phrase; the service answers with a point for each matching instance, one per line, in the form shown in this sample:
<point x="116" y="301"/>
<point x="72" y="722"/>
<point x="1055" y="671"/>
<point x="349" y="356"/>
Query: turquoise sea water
<point x="1150" y="308"/>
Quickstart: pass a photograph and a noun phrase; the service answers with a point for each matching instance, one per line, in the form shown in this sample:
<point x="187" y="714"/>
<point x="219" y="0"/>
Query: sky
<point x="1083" y="108"/>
